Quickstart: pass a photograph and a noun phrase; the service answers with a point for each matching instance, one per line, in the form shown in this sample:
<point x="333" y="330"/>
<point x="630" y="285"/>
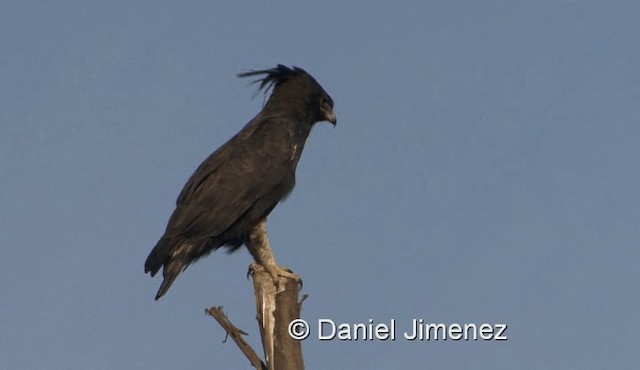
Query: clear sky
<point x="484" y="170"/>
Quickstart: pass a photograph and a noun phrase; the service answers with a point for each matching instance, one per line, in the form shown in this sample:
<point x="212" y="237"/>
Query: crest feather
<point x="273" y="77"/>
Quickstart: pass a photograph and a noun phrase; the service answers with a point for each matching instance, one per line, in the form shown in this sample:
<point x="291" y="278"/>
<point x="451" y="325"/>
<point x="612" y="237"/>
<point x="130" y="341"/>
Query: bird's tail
<point x="172" y="269"/>
<point x="174" y="255"/>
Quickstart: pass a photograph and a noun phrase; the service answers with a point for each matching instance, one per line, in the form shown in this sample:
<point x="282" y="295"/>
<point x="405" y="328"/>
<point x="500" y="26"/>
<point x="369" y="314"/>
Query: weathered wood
<point x="275" y="311"/>
<point x="277" y="304"/>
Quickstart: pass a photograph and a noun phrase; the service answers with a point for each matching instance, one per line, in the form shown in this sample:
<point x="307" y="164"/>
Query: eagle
<point x="226" y="201"/>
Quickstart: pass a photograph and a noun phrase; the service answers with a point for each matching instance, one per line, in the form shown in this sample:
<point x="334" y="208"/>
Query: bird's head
<point x="297" y="90"/>
<point x="326" y="109"/>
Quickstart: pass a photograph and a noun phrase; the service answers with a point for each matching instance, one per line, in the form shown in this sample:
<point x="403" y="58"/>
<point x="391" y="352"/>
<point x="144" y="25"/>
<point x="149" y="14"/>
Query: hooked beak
<point x="330" y="116"/>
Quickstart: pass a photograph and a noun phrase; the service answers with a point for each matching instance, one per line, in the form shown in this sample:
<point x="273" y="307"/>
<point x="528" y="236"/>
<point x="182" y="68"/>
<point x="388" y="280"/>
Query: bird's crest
<point x="273" y="77"/>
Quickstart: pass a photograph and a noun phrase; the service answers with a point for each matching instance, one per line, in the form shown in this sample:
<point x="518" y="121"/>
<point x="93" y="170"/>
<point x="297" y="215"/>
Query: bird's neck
<point x="291" y="104"/>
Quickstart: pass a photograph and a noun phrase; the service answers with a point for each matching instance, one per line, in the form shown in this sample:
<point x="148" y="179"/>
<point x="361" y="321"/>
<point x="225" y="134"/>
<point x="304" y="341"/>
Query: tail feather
<point x="175" y="255"/>
<point x="160" y="254"/>
<point x="171" y="271"/>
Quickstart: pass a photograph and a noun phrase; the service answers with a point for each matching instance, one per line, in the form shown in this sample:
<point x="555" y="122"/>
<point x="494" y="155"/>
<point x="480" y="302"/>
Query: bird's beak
<point x="330" y="116"/>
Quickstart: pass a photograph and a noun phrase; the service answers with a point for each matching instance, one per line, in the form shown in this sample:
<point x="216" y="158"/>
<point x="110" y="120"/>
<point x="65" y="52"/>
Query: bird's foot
<point x="279" y="275"/>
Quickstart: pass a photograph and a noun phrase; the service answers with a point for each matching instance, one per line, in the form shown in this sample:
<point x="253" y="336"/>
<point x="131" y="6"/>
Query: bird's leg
<point x="261" y="251"/>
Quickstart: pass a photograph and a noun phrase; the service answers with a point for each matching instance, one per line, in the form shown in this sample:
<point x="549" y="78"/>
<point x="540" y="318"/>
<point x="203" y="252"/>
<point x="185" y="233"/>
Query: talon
<point x="249" y="271"/>
<point x="281" y="285"/>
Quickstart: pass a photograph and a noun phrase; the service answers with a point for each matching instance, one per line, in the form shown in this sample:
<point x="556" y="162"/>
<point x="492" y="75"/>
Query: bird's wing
<point x="233" y="178"/>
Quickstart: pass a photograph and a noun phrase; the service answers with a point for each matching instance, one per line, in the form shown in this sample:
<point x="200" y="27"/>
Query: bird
<point x="226" y="201"/>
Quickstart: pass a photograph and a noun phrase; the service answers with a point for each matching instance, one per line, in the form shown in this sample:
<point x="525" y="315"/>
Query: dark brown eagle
<point x="227" y="200"/>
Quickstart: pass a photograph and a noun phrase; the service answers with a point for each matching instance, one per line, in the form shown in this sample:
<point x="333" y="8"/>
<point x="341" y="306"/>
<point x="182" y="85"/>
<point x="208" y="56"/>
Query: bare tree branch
<point x="236" y="334"/>
<point x="277" y="305"/>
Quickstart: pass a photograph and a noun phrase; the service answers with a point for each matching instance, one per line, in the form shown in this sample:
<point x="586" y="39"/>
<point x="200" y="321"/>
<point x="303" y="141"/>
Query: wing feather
<point x="232" y="179"/>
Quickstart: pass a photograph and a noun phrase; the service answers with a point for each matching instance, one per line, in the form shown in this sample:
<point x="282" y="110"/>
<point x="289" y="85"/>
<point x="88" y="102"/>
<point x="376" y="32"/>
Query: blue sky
<point x="484" y="169"/>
